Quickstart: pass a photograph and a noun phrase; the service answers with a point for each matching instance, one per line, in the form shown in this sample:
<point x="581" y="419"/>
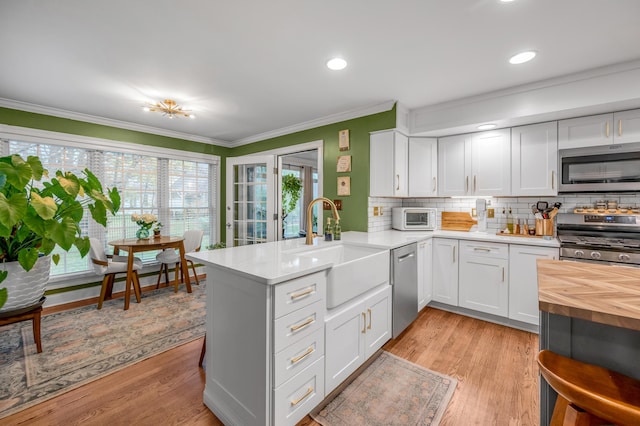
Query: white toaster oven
<point x="413" y="219"/>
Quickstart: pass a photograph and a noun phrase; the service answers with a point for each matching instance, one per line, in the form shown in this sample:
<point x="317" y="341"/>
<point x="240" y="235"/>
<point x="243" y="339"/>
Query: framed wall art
<point x="343" y="140"/>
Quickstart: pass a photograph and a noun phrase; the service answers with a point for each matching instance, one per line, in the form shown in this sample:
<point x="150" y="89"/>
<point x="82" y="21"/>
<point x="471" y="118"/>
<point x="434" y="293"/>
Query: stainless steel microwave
<point x="606" y="168"/>
<point x="413" y="218"/>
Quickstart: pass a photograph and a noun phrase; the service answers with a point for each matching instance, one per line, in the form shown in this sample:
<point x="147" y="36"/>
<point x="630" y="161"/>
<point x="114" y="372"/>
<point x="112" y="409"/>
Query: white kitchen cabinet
<point x="423" y="167"/>
<point x="445" y="271"/>
<point x="478" y="164"/>
<point x="454" y="165"/>
<point x="602" y="129"/>
<point x="534" y="160"/>
<point x="388" y="175"/>
<point x="425" y="262"/>
<point x="523" y="280"/>
<point x="484" y="277"/>
<point x="265" y="348"/>
<point x="354" y="333"/>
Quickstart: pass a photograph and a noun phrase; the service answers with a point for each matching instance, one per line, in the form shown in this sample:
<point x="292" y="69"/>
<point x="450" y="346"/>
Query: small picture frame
<point x="343" y="164"/>
<point x="343" y="140"/>
<point x="344" y="185"/>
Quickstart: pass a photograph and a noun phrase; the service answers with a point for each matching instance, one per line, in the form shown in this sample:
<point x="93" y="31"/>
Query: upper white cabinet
<point x="478" y="164"/>
<point x="534" y="159"/>
<point x="603" y="129"/>
<point x="388" y="175"/>
<point x="423" y="167"/>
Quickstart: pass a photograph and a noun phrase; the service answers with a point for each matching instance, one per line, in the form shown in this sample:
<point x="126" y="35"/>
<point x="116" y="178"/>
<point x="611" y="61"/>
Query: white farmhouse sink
<point x="355" y="270"/>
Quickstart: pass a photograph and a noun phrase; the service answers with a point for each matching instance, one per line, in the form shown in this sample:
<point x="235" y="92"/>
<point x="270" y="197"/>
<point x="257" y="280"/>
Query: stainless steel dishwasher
<point x="404" y="279"/>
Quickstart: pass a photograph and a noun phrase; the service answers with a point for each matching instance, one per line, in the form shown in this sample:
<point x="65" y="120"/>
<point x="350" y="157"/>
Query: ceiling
<point x="251" y="68"/>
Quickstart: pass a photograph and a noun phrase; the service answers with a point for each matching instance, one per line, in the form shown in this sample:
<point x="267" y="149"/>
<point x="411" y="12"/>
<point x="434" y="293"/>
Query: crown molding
<point x="55" y="112"/>
<point x="323" y="121"/>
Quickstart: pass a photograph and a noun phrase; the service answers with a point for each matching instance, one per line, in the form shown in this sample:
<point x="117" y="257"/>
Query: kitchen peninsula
<point x="589" y="312"/>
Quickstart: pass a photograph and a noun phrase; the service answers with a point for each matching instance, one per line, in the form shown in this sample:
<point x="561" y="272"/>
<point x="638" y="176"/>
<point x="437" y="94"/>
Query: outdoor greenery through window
<point x="181" y="193"/>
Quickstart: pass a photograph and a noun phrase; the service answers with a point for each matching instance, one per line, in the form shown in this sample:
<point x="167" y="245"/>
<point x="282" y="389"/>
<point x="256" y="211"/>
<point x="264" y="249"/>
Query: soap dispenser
<point x="510" y="221"/>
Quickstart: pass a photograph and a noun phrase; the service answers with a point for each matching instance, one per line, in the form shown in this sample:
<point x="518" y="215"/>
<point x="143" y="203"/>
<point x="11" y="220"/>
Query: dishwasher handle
<point x="406" y="256"/>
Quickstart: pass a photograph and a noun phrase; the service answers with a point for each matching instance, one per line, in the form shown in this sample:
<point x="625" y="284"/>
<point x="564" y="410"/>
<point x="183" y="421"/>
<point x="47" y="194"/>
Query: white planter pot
<point x="25" y="288"/>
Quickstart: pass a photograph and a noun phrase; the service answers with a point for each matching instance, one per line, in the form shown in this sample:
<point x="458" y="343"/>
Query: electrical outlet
<point x="381" y="212"/>
<point x="491" y="213"/>
<point x="473" y="212"/>
<point x="376" y="212"/>
<point x="338" y="204"/>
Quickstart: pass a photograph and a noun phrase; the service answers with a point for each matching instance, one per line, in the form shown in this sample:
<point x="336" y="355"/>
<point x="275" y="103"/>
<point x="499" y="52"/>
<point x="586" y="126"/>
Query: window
<point x="181" y="192"/>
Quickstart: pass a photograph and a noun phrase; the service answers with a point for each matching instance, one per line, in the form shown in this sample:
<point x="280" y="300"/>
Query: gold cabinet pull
<point x="299" y="400"/>
<point x="364" y="323"/>
<point x="553" y="179"/>
<point x="454" y="254"/>
<point x="434" y="184"/>
<point x="369" y="312"/>
<point x="398" y="183"/>
<point x="503" y="274"/>
<point x="474" y="184"/>
<point x="295" y="296"/>
<point x="620" y="127"/>
<point x="299" y="358"/>
<point x="485" y="249"/>
<point x="307" y="323"/>
<point x="606" y="129"/>
<point x="466" y="185"/>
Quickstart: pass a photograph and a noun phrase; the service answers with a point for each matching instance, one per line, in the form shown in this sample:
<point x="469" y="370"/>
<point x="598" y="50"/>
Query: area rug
<point x="85" y="344"/>
<point x="391" y="391"/>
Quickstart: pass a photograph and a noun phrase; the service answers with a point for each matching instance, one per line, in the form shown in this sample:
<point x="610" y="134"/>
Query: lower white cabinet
<point x="484" y="277"/>
<point x="523" y="279"/>
<point x="445" y="271"/>
<point x="425" y="263"/>
<point x="354" y="333"/>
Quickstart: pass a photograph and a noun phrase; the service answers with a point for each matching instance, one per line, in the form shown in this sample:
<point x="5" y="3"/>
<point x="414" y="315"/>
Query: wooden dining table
<point x="135" y="245"/>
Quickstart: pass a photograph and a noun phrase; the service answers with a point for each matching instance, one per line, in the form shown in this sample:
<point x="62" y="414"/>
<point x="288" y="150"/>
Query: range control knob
<point x="595" y="255"/>
<point x="624" y="257"/>
<point x="579" y="253"/>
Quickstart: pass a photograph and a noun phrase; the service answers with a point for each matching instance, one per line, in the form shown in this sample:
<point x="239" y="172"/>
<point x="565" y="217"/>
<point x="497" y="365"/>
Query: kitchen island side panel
<point x="608" y="346"/>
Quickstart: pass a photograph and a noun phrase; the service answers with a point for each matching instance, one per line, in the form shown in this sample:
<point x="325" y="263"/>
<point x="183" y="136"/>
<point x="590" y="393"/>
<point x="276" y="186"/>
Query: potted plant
<point x="38" y="213"/>
<point x="291" y="188"/>
<point x="157" y="228"/>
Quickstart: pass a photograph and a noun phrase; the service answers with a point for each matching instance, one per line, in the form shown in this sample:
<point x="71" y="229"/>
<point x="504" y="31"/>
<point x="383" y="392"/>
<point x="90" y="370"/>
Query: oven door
<point x="600" y="168"/>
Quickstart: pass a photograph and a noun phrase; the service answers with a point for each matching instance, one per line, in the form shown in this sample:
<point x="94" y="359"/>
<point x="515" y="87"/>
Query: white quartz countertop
<point x="279" y="261"/>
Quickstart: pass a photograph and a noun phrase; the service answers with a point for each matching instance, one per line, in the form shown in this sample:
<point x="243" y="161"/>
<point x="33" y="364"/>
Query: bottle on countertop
<point x="337" y="231"/>
<point x="510" y="221"/>
<point x="328" y="232"/>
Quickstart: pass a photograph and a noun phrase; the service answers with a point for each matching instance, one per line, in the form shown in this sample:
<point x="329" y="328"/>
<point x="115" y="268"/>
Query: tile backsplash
<point x="520" y="206"/>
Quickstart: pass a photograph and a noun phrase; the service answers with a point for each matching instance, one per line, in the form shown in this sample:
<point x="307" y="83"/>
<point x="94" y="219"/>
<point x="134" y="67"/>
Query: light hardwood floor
<point x="494" y="365"/>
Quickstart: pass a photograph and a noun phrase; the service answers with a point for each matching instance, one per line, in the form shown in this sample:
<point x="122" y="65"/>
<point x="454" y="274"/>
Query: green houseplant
<point x="291" y="190"/>
<point x="38" y="213"/>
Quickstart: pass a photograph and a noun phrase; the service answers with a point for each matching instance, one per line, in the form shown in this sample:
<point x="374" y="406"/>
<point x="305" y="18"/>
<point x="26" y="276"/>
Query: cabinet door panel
<point x="627" y="126"/>
<point x="585" y="131"/>
<point x="454" y="165"/>
<point x="423" y="167"/>
<point x="400" y="160"/>
<point x="344" y="351"/>
<point x="483" y="285"/>
<point x="445" y="271"/>
<point x="534" y="159"/>
<point x="378" y="318"/>
<point x="491" y="163"/>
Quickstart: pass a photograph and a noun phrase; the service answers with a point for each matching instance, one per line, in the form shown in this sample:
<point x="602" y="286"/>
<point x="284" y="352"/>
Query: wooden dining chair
<point x="192" y="243"/>
<point x="109" y="266"/>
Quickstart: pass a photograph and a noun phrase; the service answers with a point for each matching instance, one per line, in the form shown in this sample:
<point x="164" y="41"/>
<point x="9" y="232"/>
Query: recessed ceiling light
<point x="487" y="126"/>
<point x="522" y="57"/>
<point x="336" y="64"/>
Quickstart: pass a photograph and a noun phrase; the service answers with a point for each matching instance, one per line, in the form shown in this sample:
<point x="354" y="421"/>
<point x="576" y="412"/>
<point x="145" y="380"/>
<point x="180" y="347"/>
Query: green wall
<point x="354" y="207"/>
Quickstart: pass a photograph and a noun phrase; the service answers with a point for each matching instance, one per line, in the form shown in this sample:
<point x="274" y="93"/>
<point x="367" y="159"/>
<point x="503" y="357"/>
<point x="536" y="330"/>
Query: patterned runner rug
<point x="85" y="344"/>
<point x="391" y="391"/>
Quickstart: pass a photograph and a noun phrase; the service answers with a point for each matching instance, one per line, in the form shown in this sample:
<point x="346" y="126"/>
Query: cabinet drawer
<point x="297" y="293"/>
<point x="295" y="398"/>
<point x="484" y="249"/>
<point x="298" y="324"/>
<point x="295" y="358"/>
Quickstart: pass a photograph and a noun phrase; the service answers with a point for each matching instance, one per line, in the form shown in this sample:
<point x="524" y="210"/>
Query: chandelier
<point x="169" y="108"/>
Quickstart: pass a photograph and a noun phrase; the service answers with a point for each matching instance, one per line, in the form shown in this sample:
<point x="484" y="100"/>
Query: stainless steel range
<point x="600" y="237"/>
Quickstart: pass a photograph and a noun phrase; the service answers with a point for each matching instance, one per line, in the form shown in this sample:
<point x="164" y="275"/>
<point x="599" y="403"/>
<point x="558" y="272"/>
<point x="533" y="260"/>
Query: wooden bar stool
<point x="33" y="313"/>
<point x="588" y="394"/>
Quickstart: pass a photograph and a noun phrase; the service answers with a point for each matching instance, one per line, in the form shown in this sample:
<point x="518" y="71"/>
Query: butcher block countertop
<point x="593" y="292"/>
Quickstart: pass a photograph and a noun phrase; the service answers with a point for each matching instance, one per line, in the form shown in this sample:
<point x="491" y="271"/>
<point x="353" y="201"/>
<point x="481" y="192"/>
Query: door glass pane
<point x="250" y="206"/>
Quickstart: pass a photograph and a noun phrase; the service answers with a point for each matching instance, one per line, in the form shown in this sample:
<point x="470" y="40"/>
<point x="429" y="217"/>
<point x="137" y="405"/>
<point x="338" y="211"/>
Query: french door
<point x="250" y="215"/>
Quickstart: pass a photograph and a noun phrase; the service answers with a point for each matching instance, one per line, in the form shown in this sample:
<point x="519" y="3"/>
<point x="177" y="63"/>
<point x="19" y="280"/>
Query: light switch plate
<point x="491" y="213"/>
<point x="375" y="211"/>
